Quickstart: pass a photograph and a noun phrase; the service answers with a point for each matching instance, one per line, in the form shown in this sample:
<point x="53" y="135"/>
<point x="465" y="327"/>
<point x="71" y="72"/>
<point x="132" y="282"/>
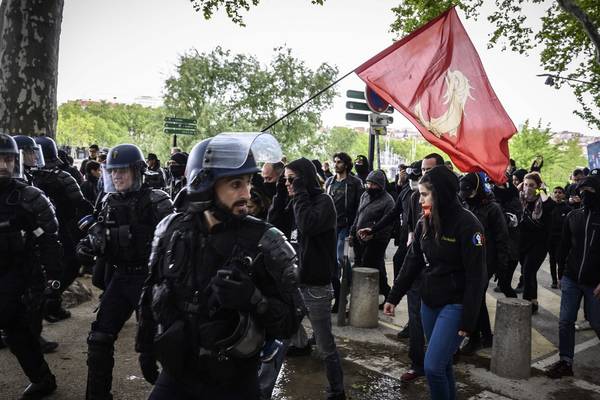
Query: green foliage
<point x="81" y="124"/>
<point x="566" y="47"/>
<point x="559" y="159"/>
<point x="234" y="92"/>
<point x="232" y="8"/>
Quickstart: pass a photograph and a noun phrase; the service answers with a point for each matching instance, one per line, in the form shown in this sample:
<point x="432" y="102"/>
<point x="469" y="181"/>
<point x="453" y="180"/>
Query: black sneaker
<point x="404" y="333"/>
<point x="471" y="347"/>
<point x="339" y="396"/>
<point x="534" y="308"/>
<point x="554" y="285"/>
<point x="41" y="389"/>
<point x="559" y="369"/>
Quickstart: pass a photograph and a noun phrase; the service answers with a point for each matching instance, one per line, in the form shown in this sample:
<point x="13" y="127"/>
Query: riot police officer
<point x="221" y="282"/>
<point x="122" y="236"/>
<point x="33" y="158"/>
<point x="27" y="225"/>
<point x="66" y="196"/>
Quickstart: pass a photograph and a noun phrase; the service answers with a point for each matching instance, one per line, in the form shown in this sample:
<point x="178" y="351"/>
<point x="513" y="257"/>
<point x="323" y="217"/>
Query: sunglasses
<point x="290" y="179"/>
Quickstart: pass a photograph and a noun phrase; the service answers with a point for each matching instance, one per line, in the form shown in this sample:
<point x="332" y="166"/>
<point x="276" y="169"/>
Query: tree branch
<point x="588" y="26"/>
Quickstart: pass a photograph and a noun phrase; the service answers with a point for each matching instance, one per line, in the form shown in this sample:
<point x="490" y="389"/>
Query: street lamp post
<point x="550" y="80"/>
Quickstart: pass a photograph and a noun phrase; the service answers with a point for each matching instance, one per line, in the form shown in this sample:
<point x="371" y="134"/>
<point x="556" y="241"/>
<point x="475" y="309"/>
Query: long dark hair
<point x="432" y="225"/>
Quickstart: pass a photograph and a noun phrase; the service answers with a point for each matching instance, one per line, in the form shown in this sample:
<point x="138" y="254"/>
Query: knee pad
<point x="100" y="342"/>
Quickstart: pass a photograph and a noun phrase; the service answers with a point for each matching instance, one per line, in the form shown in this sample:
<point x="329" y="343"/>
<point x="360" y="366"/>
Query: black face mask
<point x="374" y="192"/>
<point x="589" y="199"/>
<point x="269" y="189"/>
<point x="361" y="169"/>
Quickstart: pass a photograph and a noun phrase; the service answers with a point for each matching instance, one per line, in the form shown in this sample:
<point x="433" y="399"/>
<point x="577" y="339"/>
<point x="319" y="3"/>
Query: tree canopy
<point x="225" y="92"/>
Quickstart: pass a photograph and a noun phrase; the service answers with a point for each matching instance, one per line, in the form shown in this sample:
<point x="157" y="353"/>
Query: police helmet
<point x="49" y="149"/>
<point x="10" y="158"/>
<point x="120" y="159"/>
<point x="228" y="154"/>
<point x="32" y="153"/>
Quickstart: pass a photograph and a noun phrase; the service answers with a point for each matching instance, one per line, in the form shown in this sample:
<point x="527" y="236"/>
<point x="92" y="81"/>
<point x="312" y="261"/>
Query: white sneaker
<point x="582" y="325"/>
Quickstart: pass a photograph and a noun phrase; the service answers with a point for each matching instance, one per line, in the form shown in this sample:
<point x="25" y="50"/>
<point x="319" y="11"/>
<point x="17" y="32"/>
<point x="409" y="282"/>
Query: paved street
<point x="373" y="361"/>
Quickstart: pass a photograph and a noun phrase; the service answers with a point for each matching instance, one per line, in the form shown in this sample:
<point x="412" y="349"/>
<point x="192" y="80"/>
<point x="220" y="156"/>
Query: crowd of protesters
<point x="454" y="234"/>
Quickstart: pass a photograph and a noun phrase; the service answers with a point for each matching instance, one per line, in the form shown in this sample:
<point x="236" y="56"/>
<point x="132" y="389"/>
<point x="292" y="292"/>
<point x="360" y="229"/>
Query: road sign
<point x="360" y="106"/>
<point x="375" y="102"/>
<point x="179" y="131"/>
<point x="357" y="117"/>
<point x="355" y="94"/>
<point x="179" y="126"/>
<point x="180" y="120"/>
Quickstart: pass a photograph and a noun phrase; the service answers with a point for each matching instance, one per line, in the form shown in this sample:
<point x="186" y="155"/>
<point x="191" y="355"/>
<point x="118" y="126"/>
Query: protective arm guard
<point x="147" y="325"/>
<point x="161" y="204"/>
<point x="285" y="312"/>
<point x="45" y="230"/>
<point x="73" y="192"/>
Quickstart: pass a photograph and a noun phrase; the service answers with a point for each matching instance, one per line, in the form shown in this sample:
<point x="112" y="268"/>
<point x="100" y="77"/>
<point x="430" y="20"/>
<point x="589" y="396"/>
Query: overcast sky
<point x="125" y="49"/>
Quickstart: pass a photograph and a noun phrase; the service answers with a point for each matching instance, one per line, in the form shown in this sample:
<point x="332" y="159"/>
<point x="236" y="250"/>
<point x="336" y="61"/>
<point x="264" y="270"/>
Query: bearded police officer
<point x="28" y="226"/>
<point x="121" y="237"/>
<point x="222" y="283"/>
<point x="66" y="196"/>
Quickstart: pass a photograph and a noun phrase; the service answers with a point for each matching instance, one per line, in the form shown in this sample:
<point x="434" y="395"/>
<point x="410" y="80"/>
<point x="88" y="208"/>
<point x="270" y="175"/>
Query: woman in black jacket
<point x="449" y="254"/>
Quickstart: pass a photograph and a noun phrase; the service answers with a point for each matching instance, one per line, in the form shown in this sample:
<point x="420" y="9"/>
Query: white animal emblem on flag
<point x="458" y="90"/>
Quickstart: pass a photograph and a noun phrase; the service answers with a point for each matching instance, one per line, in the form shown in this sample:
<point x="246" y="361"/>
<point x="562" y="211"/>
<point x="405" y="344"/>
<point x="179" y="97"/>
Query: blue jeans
<point x="342" y="234"/>
<point x="441" y="327"/>
<point x="570" y="301"/>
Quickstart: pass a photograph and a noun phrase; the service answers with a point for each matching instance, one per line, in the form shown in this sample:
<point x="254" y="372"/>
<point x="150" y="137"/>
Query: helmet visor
<point x="121" y="180"/>
<point x="33" y="157"/>
<point x="231" y="150"/>
<point x="11" y="166"/>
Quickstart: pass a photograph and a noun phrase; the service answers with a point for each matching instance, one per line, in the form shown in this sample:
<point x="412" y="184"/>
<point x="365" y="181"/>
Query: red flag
<point x="435" y="78"/>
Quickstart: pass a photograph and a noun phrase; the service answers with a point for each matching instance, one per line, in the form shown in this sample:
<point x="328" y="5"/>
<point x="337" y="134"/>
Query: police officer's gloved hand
<point x="84" y="252"/>
<point x="235" y="290"/>
<point x="149" y="367"/>
<point x="52" y="297"/>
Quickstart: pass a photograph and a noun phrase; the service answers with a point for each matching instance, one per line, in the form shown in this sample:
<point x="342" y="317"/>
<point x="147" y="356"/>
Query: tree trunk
<point x="29" y="39"/>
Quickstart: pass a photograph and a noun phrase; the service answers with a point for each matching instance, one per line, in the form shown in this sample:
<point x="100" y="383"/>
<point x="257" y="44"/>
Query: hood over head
<point x="445" y="185"/>
<point x="304" y="168"/>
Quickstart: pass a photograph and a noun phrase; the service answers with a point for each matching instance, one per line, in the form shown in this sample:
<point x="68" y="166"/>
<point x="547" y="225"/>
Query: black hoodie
<point x="452" y="266"/>
<point x="315" y="222"/>
<point x="578" y="255"/>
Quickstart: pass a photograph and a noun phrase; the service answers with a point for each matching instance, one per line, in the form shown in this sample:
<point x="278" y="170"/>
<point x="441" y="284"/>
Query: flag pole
<point x="306" y="101"/>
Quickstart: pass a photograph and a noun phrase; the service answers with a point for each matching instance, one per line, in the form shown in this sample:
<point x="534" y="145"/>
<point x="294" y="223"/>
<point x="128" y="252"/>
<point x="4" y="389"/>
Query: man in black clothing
<point x="571" y="192"/>
<point x="478" y="198"/>
<point x="28" y="246"/>
<point x="559" y="213"/>
<point x="66" y="165"/>
<point x="345" y="189"/>
<point x="362" y="167"/>
<point x="89" y="187"/>
<point x="93" y="151"/>
<point x="579" y="272"/>
<point x="65" y="194"/>
<point x="221" y="283"/>
<point x="154" y="176"/>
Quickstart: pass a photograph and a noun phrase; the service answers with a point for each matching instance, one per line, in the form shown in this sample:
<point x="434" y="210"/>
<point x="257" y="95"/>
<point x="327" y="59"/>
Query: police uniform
<point x="66" y="196"/>
<point x="207" y="334"/>
<point x="28" y="226"/>
<point x="121" y="237"/>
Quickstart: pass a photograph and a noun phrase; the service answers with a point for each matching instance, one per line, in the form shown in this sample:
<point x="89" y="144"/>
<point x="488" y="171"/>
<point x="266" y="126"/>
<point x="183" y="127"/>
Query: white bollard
<point x="511" y="352"/>
<point x="364" y="299"/>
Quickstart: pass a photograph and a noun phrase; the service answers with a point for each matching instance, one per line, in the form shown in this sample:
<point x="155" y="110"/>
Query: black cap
<point x="152" y="156"/>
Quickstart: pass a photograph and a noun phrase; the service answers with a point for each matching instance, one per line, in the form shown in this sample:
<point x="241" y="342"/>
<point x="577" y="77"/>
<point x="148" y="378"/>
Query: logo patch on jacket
<point x="449" y="239"/>
<point x="478" y="239"/>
